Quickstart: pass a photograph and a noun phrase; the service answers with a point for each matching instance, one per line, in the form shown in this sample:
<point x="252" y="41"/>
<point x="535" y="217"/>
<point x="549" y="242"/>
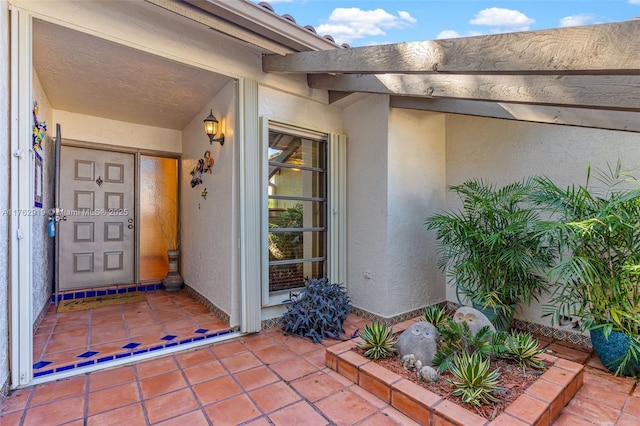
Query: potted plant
<point x="490" y="249"/>
<point x="598" y="274"/>
<point x="169" y="224"/>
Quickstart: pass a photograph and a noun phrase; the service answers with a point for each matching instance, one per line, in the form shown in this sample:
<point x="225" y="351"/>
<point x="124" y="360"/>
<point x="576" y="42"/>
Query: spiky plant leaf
<point x="523" y="349"/>
<point x="474" y="382"/>
<point x="435" y="315"/>
<point x="378" y="341"/>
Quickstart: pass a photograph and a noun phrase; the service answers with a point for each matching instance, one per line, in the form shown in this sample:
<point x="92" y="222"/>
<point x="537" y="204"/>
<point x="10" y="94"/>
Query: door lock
<point x="130" y="226"/>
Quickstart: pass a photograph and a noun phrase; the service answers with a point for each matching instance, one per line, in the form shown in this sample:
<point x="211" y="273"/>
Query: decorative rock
<point x="473" y="317"/>
<point x="420" y="340"/>
<point x="408" y="362"/>
<point x="428" y="374"/>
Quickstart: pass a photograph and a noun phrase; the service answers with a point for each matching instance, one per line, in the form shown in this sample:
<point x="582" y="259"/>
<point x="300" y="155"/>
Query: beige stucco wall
<point x="416" y="181"/>
<point x="4" y="197"/>
<point x="395" y="178"/>
<point x="209" y="247"/>
<point x="87" y="128"/>
<point x="503" y="151"/>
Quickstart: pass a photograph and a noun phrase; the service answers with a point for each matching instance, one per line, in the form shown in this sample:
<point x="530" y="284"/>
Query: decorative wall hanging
<point x="38" y="181"/>
<point x="39" y="129"/>
<point x="203" y="194"/>
<point x="205" y="165"/>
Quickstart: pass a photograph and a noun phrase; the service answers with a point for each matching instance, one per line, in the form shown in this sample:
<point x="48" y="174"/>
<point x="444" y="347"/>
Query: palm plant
<point x="490" y="248"/>
<point x="599" y="275"/>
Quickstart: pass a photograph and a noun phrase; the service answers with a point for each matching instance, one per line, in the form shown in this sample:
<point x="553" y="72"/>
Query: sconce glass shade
<point x="211" y="126"/>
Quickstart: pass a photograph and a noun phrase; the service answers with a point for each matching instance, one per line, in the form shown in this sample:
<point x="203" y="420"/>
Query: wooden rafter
<point x="600" y="49"/>
<point x="582" y="117"/>
<point x="620" y="92"/>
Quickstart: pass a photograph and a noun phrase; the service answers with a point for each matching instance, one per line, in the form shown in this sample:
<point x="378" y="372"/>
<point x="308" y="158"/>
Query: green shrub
<point x="457" y="338"/>
<point x="378" y="341"/>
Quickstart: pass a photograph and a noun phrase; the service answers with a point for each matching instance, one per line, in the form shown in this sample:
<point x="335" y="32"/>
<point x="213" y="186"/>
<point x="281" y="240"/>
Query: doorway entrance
<point x="97" y="239"/>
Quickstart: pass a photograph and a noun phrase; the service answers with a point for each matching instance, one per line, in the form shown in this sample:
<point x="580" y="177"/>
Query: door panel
<point x="97" y="239"/>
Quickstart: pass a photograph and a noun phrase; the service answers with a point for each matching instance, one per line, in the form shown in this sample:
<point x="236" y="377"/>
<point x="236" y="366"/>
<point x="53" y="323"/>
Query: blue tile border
<point x="130" y="352"/>
<point x="72" y="295"/>
<point x="40" y="364"/>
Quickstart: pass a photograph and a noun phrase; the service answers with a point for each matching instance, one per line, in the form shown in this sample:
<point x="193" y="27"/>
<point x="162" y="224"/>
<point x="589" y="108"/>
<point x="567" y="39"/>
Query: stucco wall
<point x="209" y="247"/>
<point x="87" y="128"/>
<point x="503" y="151"/>
<point x="396" y="176"/>
<point x="41" y="244"/>
<point x="416" y="181"/>
<point x="4" y="197"/>
<point x="366" y="125"/>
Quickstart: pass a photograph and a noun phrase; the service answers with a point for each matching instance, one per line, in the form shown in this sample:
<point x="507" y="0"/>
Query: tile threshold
<point x="540" y="404"/>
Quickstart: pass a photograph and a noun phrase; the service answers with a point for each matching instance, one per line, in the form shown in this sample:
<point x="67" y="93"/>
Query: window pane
<point x="295" y="245"/>
<point x="289" y="277"/>
<point x="296" y="214"/>
<point x="296" y="151"/>
<point x="297" y="200"/>
<point x="296" y="183"/>
<point x="158" y="214"/>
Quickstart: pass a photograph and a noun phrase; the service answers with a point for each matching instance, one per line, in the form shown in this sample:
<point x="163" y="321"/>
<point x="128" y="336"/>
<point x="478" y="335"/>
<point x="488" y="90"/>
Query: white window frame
<point x="336" y="205"/>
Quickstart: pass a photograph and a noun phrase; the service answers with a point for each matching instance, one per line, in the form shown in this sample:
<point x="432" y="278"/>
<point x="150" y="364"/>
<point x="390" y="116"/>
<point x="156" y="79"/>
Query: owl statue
<point x="474" y="319"/>
<point x="421" y="340"/>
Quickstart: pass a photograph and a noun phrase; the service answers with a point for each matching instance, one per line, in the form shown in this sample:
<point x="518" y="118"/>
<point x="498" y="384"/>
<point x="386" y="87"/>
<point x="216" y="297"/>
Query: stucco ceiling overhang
<point x="85" y="74"/>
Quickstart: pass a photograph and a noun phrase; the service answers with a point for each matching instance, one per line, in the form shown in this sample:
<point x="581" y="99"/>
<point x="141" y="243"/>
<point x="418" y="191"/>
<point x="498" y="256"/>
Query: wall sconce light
<point x="211" y="126"/>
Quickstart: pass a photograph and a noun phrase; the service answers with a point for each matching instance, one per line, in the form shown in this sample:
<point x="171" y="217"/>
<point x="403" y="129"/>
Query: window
<point x="297" y="209"/>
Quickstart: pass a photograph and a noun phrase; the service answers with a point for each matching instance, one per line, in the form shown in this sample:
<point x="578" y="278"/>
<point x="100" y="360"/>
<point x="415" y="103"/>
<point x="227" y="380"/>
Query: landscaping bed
<point x="538" y="402"/>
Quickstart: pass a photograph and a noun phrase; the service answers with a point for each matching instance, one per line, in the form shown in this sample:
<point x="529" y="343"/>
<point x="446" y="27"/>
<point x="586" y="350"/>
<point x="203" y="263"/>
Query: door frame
<point x="137" y="153"/>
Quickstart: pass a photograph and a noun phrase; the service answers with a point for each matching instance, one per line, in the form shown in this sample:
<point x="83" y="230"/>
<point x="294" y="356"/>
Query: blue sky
<point x="364" y="23"/>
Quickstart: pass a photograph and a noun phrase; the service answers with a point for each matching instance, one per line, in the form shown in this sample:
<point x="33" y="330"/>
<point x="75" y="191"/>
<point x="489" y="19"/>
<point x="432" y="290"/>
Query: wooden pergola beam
<point x="606" y="48"/>
<point x="581" y="117"/>
<point x="620" y="92"/>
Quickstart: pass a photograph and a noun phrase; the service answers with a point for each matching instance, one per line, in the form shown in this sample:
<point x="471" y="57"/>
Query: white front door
<point x="97" y="239"/>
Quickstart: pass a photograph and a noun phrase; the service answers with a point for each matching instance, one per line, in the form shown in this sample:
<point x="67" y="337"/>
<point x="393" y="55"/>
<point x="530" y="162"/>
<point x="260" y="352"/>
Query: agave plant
<point x="523" y="349"/>
<point x="474" y="382"/>
<point x="435" y="315"/>
<point x="378" y="341"/>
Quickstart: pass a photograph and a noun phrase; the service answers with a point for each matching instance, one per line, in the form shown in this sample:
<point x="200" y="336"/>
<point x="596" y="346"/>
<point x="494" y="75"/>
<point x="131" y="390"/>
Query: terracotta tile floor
<point x="266" y="378"/>
<point x="69" y="340"/>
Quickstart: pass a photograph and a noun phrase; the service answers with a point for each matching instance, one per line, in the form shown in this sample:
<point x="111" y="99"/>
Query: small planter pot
<point x="611" y="350"/>
<point x="173" y="280"/>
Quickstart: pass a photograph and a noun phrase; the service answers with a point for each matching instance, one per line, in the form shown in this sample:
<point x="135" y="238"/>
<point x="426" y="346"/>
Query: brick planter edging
<point x="540" y="404"/>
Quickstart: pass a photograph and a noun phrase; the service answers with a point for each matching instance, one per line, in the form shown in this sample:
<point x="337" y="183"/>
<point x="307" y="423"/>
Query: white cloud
<point x="575" y="20"/>
<point x="512" y="20"/>
<point x="349" y="24"/>
<point x="455" y="34"/>
<point x="278" y="1"/>
<point x="634" y="1"/>
<point x="448" y="34"/>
